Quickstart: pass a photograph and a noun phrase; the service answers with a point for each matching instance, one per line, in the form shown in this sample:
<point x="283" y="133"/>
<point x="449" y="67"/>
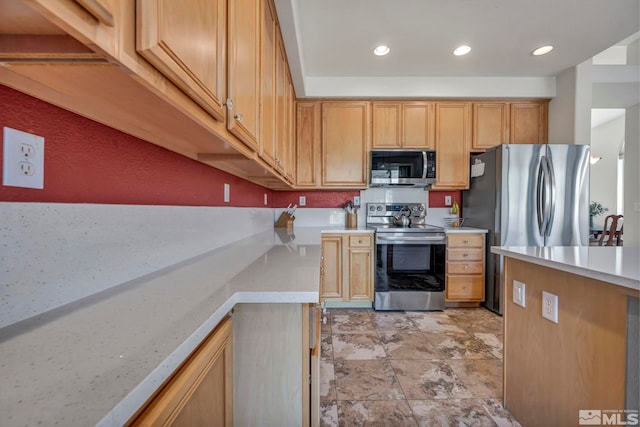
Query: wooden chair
<point x="611" y="235"/>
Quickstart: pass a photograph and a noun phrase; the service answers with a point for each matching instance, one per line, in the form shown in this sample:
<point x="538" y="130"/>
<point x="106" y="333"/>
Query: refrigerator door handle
<point x="551" y="195"/>
<point x="540" y="198"/>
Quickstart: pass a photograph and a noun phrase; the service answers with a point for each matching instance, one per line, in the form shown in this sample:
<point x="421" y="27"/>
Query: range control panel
<point x="382" y="209"/>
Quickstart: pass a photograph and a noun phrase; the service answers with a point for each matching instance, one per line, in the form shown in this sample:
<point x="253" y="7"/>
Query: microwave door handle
<point x="424" y="165"/>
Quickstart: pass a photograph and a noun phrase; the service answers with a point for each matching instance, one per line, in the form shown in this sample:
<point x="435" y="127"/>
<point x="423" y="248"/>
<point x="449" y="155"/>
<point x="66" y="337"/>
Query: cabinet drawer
<point x="465" y="254"/>
<point x="361" y="240"/>
<point x="465" y="288"/>
<point x="465" y="267"/>
<point x="465" y="240"/>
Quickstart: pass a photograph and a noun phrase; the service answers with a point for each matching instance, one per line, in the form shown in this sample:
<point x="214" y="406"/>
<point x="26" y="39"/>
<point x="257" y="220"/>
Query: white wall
<point x="570" y="110"/>
<point x="562" y="107"/>
<point x="63" y="252"/>
<point x="632" y="177"/>
<point x="605" y="143"/>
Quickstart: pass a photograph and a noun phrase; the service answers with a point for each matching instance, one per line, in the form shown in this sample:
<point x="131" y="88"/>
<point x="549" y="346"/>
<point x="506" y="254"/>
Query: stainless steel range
<point x="410" y="258"/>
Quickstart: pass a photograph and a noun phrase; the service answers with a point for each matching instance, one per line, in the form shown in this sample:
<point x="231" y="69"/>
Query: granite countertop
<point x="97" y="360"/>
<point x="614" y="264"/>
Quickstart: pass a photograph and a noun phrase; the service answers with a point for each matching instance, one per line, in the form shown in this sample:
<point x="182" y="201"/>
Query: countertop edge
<point x="464" y="230"/>
<point x="137" y="397"/>
<point x="615" y="279"/>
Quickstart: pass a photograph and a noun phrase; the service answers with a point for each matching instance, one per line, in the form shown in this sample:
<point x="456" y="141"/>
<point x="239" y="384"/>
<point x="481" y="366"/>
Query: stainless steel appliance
<point x="410" y="258"/>
<point x="403" y="168"/>
<point x="527" y="195"/>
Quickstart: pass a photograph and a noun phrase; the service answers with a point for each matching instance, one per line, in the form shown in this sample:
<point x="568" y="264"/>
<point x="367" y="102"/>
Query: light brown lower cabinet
<point x="465" y="268"/>
<point x="200" y="393"/>
<point x="346" y="271"/>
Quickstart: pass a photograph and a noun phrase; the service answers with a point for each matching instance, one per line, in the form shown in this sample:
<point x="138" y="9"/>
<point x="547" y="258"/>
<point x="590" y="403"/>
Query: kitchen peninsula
<point x="588" y="359"/>
<point x="98" y="360"/>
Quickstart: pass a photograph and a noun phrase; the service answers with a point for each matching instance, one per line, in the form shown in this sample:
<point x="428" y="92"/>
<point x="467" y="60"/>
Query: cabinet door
<point x="165" y="34"/>
<point x="268" y="77"/>
<point x="386" y="124"/>
<point x="331" y="267"/>
<point x="452" y="145"/>
<point x="282" y="118"/>
<point x="244" y="71"/>
<point x="465" y="288"/>
<point x="528" y="123"/>
<point x="417" y="125"/>
<point x="289" y="130"/>
<point x="307" y="143"/>
<point x="360" y="274"/>
<point x="201" y="392"/>
<point x="490" y="125"/>
<point x="345" y="144"/>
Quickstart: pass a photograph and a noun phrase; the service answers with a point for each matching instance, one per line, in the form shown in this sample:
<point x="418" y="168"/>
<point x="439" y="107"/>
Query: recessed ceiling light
<point x="542" y="50"/>
<point x="381" y="50"/>
<point x="462" y="50"/>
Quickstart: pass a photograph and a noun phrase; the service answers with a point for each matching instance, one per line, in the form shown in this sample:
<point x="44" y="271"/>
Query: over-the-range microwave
<point x="403" y="168"/>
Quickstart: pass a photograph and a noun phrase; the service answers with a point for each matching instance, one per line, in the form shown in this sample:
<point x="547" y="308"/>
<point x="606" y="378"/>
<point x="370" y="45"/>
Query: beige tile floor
<point x="412" y="369"/>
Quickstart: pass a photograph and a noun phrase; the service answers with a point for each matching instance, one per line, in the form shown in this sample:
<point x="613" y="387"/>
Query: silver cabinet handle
<point x="238" y="117"/>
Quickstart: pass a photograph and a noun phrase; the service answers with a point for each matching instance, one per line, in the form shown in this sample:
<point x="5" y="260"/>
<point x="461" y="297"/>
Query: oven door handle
<point x="409" y="240"/>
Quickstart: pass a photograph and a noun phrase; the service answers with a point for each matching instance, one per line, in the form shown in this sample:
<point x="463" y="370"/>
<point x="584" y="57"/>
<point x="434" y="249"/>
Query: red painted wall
<point x="436" y="198"/>
<point x="315" y="199"/>
<point x="87" y="162"/>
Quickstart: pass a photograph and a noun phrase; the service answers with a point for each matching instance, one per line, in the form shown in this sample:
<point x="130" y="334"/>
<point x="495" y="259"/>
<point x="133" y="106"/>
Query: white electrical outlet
<point x="23" y="159"/>
<point x="302" y="201"/>
<point x="227" y="191"/>
<point x="550" y="306"/>
<point x="447" y="200"/>
<point x="519" y="293"/>
<point x="356" y="200"/>
<point x="265" y="199"/>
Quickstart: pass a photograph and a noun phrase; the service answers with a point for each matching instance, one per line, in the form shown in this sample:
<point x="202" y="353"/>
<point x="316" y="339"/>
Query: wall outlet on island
<point x="519" y="293"/>
<point x="550" y="306"/>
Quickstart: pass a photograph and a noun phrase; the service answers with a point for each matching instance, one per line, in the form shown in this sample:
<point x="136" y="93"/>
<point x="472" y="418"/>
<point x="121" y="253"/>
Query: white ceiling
<point x="331" y="41"/>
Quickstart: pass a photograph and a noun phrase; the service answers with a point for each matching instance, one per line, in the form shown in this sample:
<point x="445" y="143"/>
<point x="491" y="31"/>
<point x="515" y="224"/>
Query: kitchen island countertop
<point x="614" y="264"/>
<point x="97" y="360"/>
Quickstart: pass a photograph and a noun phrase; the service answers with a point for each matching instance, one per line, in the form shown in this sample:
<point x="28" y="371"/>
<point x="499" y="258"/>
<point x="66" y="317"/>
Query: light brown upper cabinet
<point x="268" y="77"/>
<point x="290" y="130"/>
<point x="284" y="118"/>
<point x="402" y="124"/>
<point x="307" y="143"/>
<point x="186" y="41"/>
<point x="452" y="142"/>
<point x="528" y="123"/>
<point x="244" y="83"/>
<point x="490" y="125"/>
<point x="522" y="122"/>
<point x="345" y="143"/>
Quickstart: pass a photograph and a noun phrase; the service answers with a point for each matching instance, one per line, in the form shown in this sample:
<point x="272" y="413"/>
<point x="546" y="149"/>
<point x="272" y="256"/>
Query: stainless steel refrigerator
<point x="527" y="195"/>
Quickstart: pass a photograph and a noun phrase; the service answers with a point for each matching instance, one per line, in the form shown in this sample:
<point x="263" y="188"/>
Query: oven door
<point x="410" y="262"/>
